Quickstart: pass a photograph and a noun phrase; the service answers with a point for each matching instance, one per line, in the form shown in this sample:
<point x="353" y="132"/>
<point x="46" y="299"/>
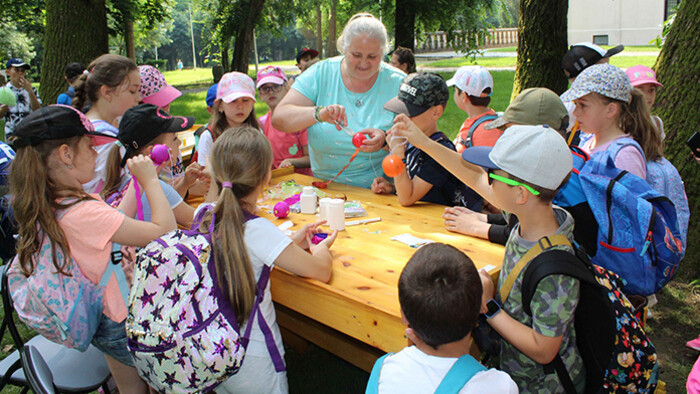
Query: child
<point x="54" y="157"/>
<point x="240" y="166"/>
<point x="609" y="108"/>
<point x="27" y="97"/>
<point x="521" y="175"/>
<point x="140" y="129"/>
<point x="110" y="88"/>
<point x="403" y="59"/>
<point x="73" y="71"/>
<point x="440" y="297"/>
<point x="423" y="97"/>
<point x="289" y="149"/>
<point x="473" y="89"/>
<point x="644" y="79"/>
<point x="306" y="58"/>
<point x="233" y="107"/>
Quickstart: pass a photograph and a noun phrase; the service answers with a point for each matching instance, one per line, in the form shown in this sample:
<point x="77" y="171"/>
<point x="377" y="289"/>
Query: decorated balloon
<point x="160" y="154"/>
<point x="281" y="210"/>
<point x="392" y="165"/>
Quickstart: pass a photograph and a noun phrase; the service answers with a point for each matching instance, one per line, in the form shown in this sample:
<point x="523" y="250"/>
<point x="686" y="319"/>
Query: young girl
<point x="142" y="127"/>
<point x="55" y="156"/>
<point x="110" y="87"/>
<point x="608" y="107"/>
<point x="240" y="166"/>
<point x="644" y="79"/>
<point x="235" y="101"/>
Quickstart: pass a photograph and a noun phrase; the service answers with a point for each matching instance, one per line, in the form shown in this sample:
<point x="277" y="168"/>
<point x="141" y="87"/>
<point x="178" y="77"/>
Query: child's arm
<point x="137" y="233"/>
<point x="410" y="190"/>
<point x="473" y="176"/>
<point x="316" y="265"/>
<point x="184" y="214"/>
<point x="298" y="162"/>
<point x="192" y="173"/>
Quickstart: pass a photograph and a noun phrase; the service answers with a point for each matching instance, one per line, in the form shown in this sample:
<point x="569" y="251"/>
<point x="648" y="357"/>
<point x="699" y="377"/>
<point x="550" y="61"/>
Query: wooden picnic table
<point x="356" y="315"/>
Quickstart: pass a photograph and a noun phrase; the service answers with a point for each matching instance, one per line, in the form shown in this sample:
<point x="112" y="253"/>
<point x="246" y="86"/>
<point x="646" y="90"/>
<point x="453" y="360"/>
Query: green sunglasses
<point x="510" y="182"/>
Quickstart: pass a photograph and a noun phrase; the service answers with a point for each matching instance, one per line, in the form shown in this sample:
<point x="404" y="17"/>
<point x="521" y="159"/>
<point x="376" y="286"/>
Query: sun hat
<point x="17" y="62"/>
<point x="536" y="154"/>
<point x="271" y="74"/>
<point x="604" y="79"/>
<point x="640" y="75"/>
<point x="304" y="51"/>
<point x="211" y="95"/>
<point x="418" y="93"/>
<point x="154" y="90"/>
<point x="235" y="85"/>
<point x="145" y="122"/>
<point x="55" y="122"/>
<point x="585" y="54"/>
<point x="473" y="80"/>
<point x="534" y="106"/>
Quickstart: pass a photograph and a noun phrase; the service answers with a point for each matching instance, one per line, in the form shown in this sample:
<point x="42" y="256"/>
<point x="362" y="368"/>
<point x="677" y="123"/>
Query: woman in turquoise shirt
<point x="348" y="90"/>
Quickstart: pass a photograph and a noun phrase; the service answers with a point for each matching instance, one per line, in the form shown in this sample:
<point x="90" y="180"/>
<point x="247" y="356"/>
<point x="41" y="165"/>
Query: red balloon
<point x="357" y="139"/>
<point x="392" y="165"/>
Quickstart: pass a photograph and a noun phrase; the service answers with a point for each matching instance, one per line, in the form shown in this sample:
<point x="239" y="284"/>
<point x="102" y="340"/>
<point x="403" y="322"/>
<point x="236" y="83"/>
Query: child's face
<point x="237" y="111"/>
<point x="272" y="93"/>
<point x="649" y="90"/>
<point x="172" y="142"/>
<point x="592" y="113"/>
<point x="306" y="61"/>
<point x="460" y="99"/>
<point x="16" y="74"/>
<point x="394" y="61"/>
<point x="84" y="160"/>
<point x="125" y="95"/>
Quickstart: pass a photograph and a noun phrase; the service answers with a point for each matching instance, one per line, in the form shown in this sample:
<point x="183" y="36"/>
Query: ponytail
<point x="635" y="120"/>
<point x="113" y="171"/>
<point x="107" y="70"/>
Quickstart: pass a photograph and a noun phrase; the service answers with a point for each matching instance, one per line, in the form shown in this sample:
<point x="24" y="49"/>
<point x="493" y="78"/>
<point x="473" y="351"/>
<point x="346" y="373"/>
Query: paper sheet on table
<point x="411" y="240"/>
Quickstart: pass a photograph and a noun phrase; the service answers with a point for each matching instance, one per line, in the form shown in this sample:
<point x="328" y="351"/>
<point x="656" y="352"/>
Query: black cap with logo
<point x="418" y="93"/>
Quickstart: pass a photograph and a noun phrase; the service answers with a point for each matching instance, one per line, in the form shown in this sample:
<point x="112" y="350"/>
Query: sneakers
<point x="694" y="344"/>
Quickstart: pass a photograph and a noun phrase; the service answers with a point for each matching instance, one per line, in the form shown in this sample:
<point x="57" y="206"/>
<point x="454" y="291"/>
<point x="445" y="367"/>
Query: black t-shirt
<point x="447" y="189"/>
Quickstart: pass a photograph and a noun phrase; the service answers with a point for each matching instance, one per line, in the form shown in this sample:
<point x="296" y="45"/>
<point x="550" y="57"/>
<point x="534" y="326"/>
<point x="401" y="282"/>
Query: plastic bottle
<point x="307" y="201"/>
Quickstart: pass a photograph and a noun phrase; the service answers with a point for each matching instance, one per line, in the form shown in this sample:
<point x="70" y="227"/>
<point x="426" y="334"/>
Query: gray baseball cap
<point x="604" y="79"/>
<point x="534" y="106"/>
<point x="536" y="154"/>
<point x="418" y="93"/>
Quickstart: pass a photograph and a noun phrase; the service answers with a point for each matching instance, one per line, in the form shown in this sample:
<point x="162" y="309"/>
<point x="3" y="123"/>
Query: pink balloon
<point x="281" y="210"/>
<point x="160" y="154"/>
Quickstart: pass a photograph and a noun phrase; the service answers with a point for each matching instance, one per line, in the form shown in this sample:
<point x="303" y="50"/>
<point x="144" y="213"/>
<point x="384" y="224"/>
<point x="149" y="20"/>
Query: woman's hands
<point x="334" y="113"/>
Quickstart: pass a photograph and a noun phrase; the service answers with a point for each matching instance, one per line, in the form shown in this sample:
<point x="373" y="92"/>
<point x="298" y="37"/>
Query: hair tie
<point x="226" y="185"/>
<point x="86" y="72"/>
<point x="118" y="143"/>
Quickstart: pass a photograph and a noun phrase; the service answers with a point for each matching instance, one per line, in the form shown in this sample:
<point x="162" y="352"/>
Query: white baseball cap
<point x="473" y="80"/>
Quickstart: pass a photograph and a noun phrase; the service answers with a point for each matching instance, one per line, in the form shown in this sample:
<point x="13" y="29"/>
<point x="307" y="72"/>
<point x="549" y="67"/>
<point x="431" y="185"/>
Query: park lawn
<point x="628" y="48"/>
<point x="498" y="62"/>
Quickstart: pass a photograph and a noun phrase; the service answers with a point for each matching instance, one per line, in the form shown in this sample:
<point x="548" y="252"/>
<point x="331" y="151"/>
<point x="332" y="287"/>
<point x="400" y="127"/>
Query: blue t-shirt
<point x="447" y="189"/>
<point x="330" y="149"/>
<point x="6" y="156"/>
<point x="66" y="98"/>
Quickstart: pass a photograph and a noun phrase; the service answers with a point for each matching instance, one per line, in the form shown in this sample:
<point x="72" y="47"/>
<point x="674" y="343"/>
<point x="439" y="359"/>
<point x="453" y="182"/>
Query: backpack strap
<point x="462" y="370"/>
<point x="115" y="267"/>
<point x="475" y="125"/>
<point x="616" y="146"/>
<point x="373" y="382"/>
<point x="541" y="245"/>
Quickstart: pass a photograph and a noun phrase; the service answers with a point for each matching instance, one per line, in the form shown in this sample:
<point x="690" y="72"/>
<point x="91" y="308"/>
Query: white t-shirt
<point x="264" y="242"/>
<point x="204" y="147"/>
<point x="412" y="371"/>
<point x="95" y="185"/>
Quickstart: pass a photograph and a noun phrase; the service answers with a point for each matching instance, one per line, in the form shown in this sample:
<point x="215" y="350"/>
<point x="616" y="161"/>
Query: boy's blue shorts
<point x="110" y="339"/>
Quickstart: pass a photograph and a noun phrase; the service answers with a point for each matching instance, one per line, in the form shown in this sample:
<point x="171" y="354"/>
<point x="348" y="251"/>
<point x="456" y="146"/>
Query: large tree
<point x="678" y="68"/>
<point x="70" y="36"/>
<point x="542" y="43"/>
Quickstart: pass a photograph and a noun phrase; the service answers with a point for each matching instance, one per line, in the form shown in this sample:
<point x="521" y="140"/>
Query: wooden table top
<point x="361" y="300"/>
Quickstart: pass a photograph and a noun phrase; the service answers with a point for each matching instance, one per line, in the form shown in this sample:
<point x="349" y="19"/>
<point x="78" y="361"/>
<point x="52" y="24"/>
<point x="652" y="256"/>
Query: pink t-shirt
<point x="284" y="145"/>
<point x="89" y="227"/>
<point x="628" y="158"/>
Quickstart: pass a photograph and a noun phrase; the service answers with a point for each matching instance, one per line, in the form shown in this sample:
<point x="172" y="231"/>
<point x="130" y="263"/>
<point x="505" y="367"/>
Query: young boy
<point x="73" y="71"/>
<point x="422" y="97"/>
<point x="473" y="89"/>
<point x="306" y="58"/>
<point x="288" y="149"/>
<point x="440" y="297"/>
<point x="27" y="96"/>
<point x="521" y="175"/>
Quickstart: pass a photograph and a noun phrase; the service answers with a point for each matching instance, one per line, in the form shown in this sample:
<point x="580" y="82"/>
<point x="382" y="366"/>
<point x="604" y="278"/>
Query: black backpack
<point x="8" y="229"/>
<point x="616" y="359"/>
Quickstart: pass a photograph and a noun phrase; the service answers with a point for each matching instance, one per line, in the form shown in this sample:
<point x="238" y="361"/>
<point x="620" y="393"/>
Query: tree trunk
<point x="251" y="10"/>
<point x="70" y="36"/>
<point x="541" y="45"/>
<point x="225" y="44"/>
<point x="405" y="24"/>
<point x="678" y="68"/>
<point x="129" y="39"/>
<point x="332" y="34"/>
<point x="319" y="31"/>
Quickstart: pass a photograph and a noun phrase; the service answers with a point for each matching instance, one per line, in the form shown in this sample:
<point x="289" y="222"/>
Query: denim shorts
<point x="110" y="339"/>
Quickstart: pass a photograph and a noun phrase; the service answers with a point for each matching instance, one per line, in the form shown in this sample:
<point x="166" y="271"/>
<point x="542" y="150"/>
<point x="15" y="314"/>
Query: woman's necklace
<point x="351" y="89"/>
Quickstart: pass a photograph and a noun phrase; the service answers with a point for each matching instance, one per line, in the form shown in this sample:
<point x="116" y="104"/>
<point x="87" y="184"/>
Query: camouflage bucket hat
<point x="419" y="92"/>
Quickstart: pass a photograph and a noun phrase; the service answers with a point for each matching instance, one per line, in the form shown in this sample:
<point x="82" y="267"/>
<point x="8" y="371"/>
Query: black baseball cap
<point x="418" y="93"/>
<point x="585" y="54"/>
<point x="145" y="122"/>
<point x="17" y="62"/>
<point x="304" y="51"/>
<point x="55" y="122"/>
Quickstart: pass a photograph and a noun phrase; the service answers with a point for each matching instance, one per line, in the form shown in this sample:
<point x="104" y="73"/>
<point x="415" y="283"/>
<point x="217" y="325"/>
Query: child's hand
<point x="334" y="113"/>
<point x="382" y="186"/>
<point x="325" y="244"/>
<point x="464" y="221"/>
<point x="404" y="127"/>
<point x="142" y="168"/>
<point x="286" y="163"/>
<point x="489" y="289"/>
<point x="302" y="237"/>
<point x="193" y="172"/>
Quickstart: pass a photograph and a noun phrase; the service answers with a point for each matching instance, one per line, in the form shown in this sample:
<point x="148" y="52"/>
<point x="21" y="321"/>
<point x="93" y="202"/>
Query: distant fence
<point x="437" y="41"/>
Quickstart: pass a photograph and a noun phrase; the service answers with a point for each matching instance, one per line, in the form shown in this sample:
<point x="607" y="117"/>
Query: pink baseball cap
<point x="271" y="74"/>
<point x="234" y="85"/>
<point x="640" y="75"/>
<point x="154" y="90"/>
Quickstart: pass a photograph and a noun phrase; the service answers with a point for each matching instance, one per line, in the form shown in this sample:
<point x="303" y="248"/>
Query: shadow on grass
<point x="318" y="371"/>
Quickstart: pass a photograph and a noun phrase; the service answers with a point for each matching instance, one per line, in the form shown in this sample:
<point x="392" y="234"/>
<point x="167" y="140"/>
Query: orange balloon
<point x="392" y="165"/>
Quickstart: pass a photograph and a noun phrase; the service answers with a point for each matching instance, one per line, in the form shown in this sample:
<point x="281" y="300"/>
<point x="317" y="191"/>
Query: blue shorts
<point x="110" y="339"/>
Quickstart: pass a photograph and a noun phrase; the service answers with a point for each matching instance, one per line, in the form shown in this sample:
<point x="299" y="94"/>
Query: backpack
<point x="182" y="332"/>
<point x="617" y="354"/>
<point x="66" y="309"/>
<point x="467" y="141"/>
<point x="8" y="229"/>
<point x="663" y="177"/>
<point x="459" y="374"/>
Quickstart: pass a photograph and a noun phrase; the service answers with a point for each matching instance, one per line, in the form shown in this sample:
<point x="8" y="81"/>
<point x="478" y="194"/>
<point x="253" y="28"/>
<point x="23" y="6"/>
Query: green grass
<point x="189" y="76"/>
<point x="629" y="61"/>
<point x="628" y="48"/>
<point x="619" y="61"/>
<point x="193" y="104"/>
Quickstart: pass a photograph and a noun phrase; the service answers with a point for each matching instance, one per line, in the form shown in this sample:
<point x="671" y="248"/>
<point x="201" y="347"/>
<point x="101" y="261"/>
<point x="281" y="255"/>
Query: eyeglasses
<point x="510" y="182"/>
<point x="270" y="89"/>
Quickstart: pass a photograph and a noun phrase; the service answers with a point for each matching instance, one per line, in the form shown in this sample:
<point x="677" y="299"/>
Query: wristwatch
<point x="492" y="308"/>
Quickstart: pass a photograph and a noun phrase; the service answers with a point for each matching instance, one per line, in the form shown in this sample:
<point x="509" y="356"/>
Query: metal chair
<point x="37" y="372"/>
<point x="72" y="371"/>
